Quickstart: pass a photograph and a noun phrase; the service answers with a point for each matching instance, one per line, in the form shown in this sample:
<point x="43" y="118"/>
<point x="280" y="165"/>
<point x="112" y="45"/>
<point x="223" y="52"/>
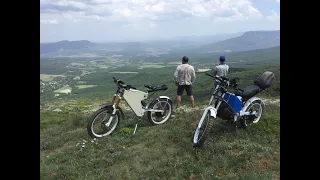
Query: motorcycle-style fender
<point x="213" y="112"/>
<point x="161" y="97"/>
<point x="249" y="101"/>
<point x="109" y="106"/>
<point x="166" y="97"/>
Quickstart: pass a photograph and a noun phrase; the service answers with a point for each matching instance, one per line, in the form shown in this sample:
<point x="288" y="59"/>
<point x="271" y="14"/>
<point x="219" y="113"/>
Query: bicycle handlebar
<point x="221" y="79"/>
<point x="122" y="84"/>
<point x="209" y="75"/>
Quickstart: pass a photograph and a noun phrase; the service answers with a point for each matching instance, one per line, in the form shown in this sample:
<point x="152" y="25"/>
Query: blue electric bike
<point x="240" y="107"/>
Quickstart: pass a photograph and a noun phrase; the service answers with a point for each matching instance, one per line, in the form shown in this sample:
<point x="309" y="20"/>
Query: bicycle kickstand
<point x="134" y="132"/>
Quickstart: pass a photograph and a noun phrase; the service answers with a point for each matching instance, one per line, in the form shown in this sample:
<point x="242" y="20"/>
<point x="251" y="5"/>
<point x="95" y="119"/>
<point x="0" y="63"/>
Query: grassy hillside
<point x="158" y="152"/>
<point x="154" y="152"/>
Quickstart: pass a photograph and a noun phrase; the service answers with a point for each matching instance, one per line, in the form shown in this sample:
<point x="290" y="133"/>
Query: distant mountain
<point x="248" y="41"/>
<point x="200" y="38"/>
<point x="65" y="45"/>
<point x="250" y="58"/>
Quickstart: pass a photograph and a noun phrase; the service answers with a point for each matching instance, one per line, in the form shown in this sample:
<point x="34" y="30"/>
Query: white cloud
<point x="275" y="16"/>
<point x="148" y="10"/>
<point x="45" y="21"/>
<point x="137" y="19"/>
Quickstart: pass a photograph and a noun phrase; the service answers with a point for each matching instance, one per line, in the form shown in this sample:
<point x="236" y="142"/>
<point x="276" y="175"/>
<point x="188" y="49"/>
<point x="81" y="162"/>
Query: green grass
<point x="154" y="152"/>
<point x="158" y="152"/>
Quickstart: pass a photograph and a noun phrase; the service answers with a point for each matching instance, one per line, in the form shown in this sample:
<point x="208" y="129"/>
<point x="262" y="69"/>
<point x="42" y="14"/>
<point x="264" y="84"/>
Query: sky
<point x="132" y="20"/>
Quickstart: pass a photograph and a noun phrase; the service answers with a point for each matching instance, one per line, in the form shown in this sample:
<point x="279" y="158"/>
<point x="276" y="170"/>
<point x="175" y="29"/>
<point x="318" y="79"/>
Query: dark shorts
<point x="181" y="88"/>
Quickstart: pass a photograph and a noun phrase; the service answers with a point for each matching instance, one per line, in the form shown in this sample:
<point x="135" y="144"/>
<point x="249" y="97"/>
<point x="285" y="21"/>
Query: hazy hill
<point x="248" y="41"/>
<point x="64" y="45"/>
<point x="190" y="45"/>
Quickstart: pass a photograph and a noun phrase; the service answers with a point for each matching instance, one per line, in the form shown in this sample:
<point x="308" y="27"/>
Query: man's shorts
<point x="181" y="88"/>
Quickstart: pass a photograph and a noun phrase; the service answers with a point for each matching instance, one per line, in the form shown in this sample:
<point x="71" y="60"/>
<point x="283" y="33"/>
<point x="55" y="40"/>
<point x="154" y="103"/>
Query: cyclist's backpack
<point x="265" y="80"/>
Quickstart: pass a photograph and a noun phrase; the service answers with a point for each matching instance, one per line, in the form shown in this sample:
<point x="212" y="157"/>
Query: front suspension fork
<point x="114" y="106"/>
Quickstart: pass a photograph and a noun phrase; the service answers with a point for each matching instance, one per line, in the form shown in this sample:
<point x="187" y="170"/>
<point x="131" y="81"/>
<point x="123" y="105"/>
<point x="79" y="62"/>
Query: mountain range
<point x="249" y="40"/>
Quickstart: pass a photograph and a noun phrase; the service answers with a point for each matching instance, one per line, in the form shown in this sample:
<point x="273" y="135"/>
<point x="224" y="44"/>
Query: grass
<point x="157" y="152"/>
<point x="49" y="77"/>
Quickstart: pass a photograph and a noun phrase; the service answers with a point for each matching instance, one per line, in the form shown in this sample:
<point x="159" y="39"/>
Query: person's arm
<point x="193" y="76"/>
<point x="175" y="75"/>
<point x="214" y="73"/>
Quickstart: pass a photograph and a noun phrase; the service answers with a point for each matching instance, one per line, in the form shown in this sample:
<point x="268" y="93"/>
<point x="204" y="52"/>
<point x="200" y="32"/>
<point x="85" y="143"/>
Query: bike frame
<point x="134" y="99"/>
<point x="213" y="110"/>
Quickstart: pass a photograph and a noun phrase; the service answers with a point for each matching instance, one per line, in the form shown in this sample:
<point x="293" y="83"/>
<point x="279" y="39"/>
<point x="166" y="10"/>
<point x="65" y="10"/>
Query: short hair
<point x="185" y="59"/>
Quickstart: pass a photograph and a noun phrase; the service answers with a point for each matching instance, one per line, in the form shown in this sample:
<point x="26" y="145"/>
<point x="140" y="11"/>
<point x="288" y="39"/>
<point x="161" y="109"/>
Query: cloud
<point x="275" y="16"/>
<point x="52" y="21"/>
<point x="135" y="11"/>
<point x="278" y="1"/>
<point x="143" y="19"/>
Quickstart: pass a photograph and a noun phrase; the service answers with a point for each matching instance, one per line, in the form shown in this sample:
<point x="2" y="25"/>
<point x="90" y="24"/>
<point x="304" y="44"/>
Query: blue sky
<point x="132" y="20"/>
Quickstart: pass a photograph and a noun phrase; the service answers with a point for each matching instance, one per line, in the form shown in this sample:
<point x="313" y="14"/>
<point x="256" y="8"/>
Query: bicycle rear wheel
<point x="157" y="118"/>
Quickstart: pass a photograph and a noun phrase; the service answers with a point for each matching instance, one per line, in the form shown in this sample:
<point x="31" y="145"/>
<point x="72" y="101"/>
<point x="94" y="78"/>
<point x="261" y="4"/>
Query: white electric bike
<point x="159" y="110"/>
<point x="240" y="108"/>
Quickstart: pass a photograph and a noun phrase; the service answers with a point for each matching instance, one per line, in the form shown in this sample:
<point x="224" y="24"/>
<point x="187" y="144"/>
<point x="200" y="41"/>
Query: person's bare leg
<point x="192" y="100"/>
<point x="178" y="101"/>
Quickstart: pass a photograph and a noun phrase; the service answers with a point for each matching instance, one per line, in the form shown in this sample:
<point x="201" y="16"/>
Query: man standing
<point x="222" y="69"/>
<point x="184" y="77"/>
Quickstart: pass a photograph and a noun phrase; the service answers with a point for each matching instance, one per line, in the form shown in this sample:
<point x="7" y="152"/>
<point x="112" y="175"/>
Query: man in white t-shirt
<point x="222" y="69"/>
<point x="184" y="77"/>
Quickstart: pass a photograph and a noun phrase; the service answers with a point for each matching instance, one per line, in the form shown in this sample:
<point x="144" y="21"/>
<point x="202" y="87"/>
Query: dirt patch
<point x="263" y="163"/>
<point x="48" y="152"/>
<point x="49" y="77"/>
<point x="52" y="174"/>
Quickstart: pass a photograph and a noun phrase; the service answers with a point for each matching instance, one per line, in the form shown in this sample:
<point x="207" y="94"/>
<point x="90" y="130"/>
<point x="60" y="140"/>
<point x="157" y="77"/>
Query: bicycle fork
<point x="114" y="111"/>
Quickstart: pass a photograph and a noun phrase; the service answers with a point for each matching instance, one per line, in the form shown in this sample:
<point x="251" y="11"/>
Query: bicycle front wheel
<point x="200" y="134"/>
<point x="99" y="125"/>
